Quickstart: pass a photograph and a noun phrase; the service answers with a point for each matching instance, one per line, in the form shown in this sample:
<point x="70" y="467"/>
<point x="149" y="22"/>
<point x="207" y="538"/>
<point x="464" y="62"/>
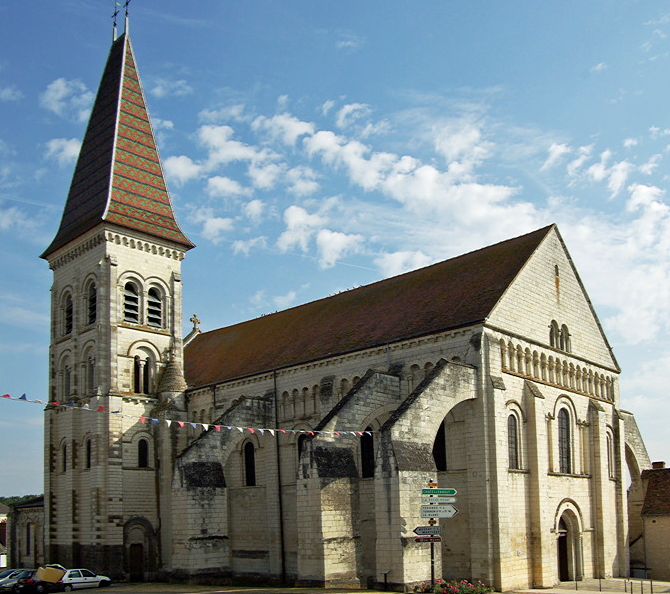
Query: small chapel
<point x="302" y="446"/>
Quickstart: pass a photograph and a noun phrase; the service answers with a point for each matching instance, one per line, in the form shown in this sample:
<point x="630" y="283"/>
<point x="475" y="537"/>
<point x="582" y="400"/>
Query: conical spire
<point x="118" y="177"/>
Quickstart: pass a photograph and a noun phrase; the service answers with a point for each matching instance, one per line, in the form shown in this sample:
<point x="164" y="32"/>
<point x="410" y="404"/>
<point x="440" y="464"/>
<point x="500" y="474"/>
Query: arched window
<point x="610" y="455"/>
<point x="68" y="314"/>
<point x="513" y="442"/>
<point x="367" y="454"/>
<point x="64" y="458"/>
<point x="90" y="374"/>
<point x="143" y="453"/>
<point x="565" y="339"/>
<point x="89" y="452"/>
<point x="554" y="334"/>
<point x="29" y="538"/>
<point x="92" y="303"/>
<point x="131" y="304"/>
<point x="143" y="371"/>
<point x="67" y="382"/>
<point x="249" y="465"/>
<point x="154" y="308"/>
<point x="301" y="444"/>
<point x="564" y="449"/>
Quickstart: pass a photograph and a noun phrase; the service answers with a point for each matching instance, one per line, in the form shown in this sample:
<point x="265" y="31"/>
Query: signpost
<point x="437" y="504"/>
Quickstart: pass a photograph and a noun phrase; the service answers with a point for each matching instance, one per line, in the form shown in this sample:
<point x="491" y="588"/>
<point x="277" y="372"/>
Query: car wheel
<point x="104" y="584"/>
<point x="40" y="589"/>
<point x="67" y="588"/>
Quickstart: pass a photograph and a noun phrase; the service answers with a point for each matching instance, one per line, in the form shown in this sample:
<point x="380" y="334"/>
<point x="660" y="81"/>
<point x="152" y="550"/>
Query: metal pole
<point x="432" y="563"/>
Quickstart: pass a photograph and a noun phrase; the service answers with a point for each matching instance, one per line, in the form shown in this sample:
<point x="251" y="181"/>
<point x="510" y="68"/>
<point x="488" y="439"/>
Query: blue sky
<point x="313" y="146"/>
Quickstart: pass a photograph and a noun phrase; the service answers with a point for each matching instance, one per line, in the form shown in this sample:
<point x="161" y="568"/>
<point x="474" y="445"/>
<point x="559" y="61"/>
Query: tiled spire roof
<point x="118" y="177"/>
<point x="456" y="293"/>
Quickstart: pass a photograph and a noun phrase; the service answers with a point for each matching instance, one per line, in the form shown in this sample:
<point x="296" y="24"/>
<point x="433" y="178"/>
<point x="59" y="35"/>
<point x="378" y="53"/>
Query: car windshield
<point x="7" y="573"/>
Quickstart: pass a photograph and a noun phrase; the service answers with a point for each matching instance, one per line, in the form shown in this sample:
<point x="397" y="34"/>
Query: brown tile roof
<point x="657" y="497"/>
<point x="455" y="293"/>
<point x="118" y="176"/>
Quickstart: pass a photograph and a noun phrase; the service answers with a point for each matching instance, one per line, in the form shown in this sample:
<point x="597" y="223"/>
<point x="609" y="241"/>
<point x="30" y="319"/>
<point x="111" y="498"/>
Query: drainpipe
<point x="280" y="505"/>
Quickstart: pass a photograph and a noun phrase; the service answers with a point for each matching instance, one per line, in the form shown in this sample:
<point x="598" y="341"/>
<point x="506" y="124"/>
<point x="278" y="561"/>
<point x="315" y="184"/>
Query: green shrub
<point x="453" y="587"/>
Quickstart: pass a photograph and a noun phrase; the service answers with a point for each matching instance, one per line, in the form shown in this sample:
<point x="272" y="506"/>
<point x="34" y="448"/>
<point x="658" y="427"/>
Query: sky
<point x="312" y="146"/>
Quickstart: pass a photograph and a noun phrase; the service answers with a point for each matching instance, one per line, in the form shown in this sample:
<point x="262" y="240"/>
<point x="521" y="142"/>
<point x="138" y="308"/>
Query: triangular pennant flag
<point x="116" y="412"/>
<point x="261" y="430"/>
<point x="6" y="396"/>
<point x="271" y="432"/>
<point x="228" y="427"/>
<point x="240" y="429"/>
<point x="194" y="425"/>
<point x="311" y="432"/>
<point x="154" y="421"/>
<point x="180" y="423"/>
<point x="86" y="407"/>
<point x="360" y="433"/>
<point x="52" y="403"/>
<point x="168" y="422"/>
<point x="368" y="432"/>
<point x="23" y="397"/>
<point x="70" y="404"/>
<point x="251" y="429"/>
<point x="39" y="401"/>
<point x="143" y="420"/>
<point x="100" y="408"/>
<point x="205" y="426"/>
<point x="283" y="430"/>
<point x="217" y="427"/>
<point x="335" y="432"/>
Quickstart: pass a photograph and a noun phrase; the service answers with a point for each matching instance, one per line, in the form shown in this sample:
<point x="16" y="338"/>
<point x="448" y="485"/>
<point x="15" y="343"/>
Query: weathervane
<point x="117" y="5"/>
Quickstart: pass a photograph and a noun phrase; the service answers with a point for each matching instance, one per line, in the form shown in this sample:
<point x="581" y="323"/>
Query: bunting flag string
<point x="205" y="426"/>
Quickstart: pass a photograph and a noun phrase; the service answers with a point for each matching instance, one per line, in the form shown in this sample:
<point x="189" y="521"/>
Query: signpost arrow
<point x="435" y="491"/>
<point x="438" y="511"/>
<point x="437" y="499"/>
<point x="424" y="530"/>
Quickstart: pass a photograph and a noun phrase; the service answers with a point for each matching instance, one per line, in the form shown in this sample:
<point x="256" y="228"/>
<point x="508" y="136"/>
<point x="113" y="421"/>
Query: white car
<point x="82" y="578"/>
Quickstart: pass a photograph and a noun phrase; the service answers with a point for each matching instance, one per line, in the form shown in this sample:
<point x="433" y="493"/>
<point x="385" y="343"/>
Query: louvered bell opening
<point x="131" y="305"/>
<point x="154" y="309"/>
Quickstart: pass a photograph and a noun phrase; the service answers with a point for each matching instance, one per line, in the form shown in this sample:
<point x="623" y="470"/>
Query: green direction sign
<point x="435" y="491"/>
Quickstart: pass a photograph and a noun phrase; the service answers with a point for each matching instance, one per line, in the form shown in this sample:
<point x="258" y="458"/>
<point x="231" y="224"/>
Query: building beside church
<point x="295" y="446"/>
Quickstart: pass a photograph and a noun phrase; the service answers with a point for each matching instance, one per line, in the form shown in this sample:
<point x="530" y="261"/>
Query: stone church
<point x="294" y="447"/>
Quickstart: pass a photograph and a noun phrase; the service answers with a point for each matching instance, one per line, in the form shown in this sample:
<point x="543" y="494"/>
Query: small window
<point x="249" y="465"/>
<point x="143" y="370"/>
<point x="513" y="442"/>
<point x="67" y="382"/>
<point x="92" y="303"/>
<point x="29" y="538"/>
<point x="154" y="308"/>
<point x="90" y="374"/>
<point x="131" y="304"/>
<point x="367" y="454"/>
<point x="68" y="315"/>
<point x="554" y="338"/>
<point x="64" y="458"/>
<point x="301" y="445"/>
<point x="143" y="453"/>
<point x="564" y="450"/>
<point x="89" y="452"/>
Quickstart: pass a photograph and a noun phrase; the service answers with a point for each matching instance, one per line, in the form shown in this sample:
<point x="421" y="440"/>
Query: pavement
<point x="590" y="586"/>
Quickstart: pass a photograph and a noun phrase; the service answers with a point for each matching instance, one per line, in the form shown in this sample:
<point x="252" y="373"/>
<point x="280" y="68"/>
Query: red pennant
<point x="143" y="420"/>
<point x="6" y="396"/>
<point x="181" y="423"/>
<point x="251" y="429"/>
<point x="100" y="408"/>
<point x="218" y="427"/>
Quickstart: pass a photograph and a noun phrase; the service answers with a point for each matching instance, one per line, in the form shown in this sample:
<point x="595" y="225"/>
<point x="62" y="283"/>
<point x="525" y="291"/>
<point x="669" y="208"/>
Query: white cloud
<point x="327" y="106"/>
<point x="13" y="217"/>
<point x="283" y="127"/>
<point x="254" y="210"/>
<point x="163" y="87"/>
<point x="224" y="187"/>
<point x="651" y="165"/>
<point x="333" y="246"/>
<point x="584" y="153"/>
<point x="556" y="153"/>
<point x="348" y="114"/>
<point x="10" y="93"/>
<point x="300" y="227"/>
<point x="615" y="176"/>
<point x="68" y="99"/>
<point x="63" y="150"/>
<point x="349" y="42"/>
<point x="245" y="246"/>
<point x="285" y="301"/>
<point x="302" y="180"/>
<point x="181" y="169"/>
<point x="159" y="124"/>
<point x="395" y="263"/>
<point x="213" y="228"/>
<point x="461" y="143"/>
<point x="222" y="149"/>
<point x="228" y="113"/>
<point x="630" y="142"/>
<point x="600" y="67"/>
<point x="264" y="175"/>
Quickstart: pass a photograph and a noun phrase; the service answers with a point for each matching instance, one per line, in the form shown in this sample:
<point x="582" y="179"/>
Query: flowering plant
<point x="453" y="587"/>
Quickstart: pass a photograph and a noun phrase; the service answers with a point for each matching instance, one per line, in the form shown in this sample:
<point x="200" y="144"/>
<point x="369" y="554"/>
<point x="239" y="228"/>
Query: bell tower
<point x="116" y="307"/>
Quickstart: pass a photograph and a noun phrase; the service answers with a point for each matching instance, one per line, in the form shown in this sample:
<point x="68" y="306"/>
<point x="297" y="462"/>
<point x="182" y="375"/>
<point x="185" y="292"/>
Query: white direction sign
<point x="438" y="499"/>
<point x="424" y="530"/>
<point x="436" y="491"/>
<point x="438" y="511"/>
